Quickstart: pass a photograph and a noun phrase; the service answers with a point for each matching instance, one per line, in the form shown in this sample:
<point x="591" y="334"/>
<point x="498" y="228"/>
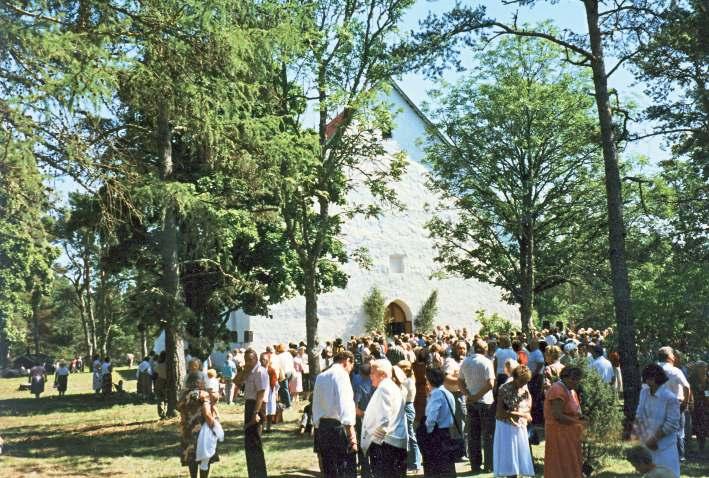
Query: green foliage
<point x="492" y="324"/>
<point x="604" y="414"/>
<point x="669" y="275"/>
<point x="374" y="308"/>
<point x="425" y="318"/>
<point x="521" y="168"/>
<point x="674" y="65"/>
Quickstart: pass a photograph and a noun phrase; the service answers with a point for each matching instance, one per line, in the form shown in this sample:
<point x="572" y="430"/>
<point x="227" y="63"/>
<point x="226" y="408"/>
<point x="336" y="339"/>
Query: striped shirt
<point x="477" y="370"/>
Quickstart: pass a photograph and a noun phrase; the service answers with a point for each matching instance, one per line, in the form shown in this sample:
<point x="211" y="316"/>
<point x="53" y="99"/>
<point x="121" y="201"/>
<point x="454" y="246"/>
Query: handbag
<point x="455" y="445"/>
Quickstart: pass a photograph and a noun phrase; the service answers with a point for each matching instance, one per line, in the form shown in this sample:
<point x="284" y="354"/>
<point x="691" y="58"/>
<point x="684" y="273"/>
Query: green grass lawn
<point x="81" y="435"/>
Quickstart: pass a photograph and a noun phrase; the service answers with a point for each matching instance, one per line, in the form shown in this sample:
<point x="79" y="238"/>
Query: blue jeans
<point x="414" y="454"/>
<point x="681" y="434"/>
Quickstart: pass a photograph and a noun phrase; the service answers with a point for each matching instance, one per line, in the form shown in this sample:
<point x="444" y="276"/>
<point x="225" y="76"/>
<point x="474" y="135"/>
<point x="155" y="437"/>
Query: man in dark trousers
<point x="334" y="418"/>
<point x="255" y="379"/>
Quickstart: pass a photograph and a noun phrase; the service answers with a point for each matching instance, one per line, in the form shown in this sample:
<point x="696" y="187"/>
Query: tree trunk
<point x="526" y="304"/>
<point x="89" y="300"/>
<point x="174" y="346"/>
<point x="616" y="227"/>
<point x="36" y="303"/>
<point x="102" y="312"/>
<point x="176" y="369"/>
<point x="143" y="341"/>
<point x="84" y="323"/>
<point x="4" y="345"/>
<point x="311" y="324"/>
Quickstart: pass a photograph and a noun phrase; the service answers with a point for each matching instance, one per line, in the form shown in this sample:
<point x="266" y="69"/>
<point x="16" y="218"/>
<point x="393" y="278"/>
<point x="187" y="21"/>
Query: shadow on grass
<point x="127" y="375"/>
<point x="135" y="439"/>
<point x="298" y="474"/>
<point x="69" y="403"/>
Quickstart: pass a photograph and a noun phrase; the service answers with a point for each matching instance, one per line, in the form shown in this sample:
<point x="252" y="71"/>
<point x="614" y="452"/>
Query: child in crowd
<point x="306" y="420"/>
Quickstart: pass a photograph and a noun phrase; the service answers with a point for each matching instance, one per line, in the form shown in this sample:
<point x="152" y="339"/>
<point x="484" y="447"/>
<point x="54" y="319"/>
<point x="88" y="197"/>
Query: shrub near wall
<point x="374" y="308"/>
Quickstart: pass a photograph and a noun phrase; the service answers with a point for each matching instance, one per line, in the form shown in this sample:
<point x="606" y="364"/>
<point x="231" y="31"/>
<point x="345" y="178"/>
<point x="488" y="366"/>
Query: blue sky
<point x="565" y="14"/>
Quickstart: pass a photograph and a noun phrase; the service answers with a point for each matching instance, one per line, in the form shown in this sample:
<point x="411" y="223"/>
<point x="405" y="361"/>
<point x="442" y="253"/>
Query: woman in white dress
<point x="96" y="371"/>
<point x="511" y="455"/>
<point x="657" y="419"/>
<point x="271" y="397"/>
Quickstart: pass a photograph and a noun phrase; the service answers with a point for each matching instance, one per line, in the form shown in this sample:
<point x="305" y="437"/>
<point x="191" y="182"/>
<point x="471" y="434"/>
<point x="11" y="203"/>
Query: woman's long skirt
<point x="106" y="383"/>
<point x="511" y="455"/>
<point x="62" y="382"/>
<point x="145" y="384"/>
<point x="96" y="384"/>
<point x="37" y="385"/>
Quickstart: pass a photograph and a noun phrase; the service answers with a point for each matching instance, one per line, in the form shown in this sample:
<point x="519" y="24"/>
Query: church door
<point x="396" y="320"/>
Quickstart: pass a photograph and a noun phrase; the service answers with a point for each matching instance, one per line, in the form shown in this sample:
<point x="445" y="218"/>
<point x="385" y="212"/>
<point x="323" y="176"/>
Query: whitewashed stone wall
<point x="395" y="233"/>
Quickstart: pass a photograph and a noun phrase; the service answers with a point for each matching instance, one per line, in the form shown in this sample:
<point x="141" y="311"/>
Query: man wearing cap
<point x="384" y="428"/>
<point x="602" y="365"/>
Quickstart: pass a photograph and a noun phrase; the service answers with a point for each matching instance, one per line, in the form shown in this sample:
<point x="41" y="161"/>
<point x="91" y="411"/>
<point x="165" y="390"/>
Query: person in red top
<point x="522" y="356"/>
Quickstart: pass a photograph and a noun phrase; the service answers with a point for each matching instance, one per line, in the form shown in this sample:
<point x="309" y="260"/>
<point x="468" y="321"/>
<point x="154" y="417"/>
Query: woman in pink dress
<point x="295" y="385"/>
<point x="563" y="427"/>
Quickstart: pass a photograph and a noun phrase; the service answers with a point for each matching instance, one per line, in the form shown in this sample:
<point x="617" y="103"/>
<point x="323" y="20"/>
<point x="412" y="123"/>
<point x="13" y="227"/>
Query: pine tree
<point x="427" y="315"/>
<point x="374" y="308"/>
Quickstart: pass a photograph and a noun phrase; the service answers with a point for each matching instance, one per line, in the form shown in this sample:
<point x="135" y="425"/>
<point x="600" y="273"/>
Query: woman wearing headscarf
<point x="563" y="426"/>
<point x="38" y="377"/>
<point x="196" y="408"/>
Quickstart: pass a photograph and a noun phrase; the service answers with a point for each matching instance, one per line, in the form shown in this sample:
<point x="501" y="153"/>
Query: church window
<point x="396" y="263"/>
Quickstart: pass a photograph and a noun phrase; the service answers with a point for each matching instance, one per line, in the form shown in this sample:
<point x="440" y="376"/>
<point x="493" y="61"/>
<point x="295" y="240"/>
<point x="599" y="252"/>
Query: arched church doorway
<point x="397" y="320"/>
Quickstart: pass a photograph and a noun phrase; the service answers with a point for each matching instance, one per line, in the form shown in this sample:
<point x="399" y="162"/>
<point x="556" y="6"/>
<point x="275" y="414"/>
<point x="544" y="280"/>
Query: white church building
<point x="402" y="262"/>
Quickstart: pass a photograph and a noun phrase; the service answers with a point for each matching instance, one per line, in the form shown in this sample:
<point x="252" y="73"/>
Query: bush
<point x="427" y="314"/>
<point x="492" y="324"/>
<point x="602" y="409"/>
<point x="374" y="308"/>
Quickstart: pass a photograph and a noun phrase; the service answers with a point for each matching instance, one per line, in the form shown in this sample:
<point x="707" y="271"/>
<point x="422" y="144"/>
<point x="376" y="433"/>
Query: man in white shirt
<point x="679" y="386"/>
<point x="476" y="381"/>
<point x="334" y="418"/>
<point x="602" y="365"/>
<point x="384" y="429"/>
<point x="255" y="379"/>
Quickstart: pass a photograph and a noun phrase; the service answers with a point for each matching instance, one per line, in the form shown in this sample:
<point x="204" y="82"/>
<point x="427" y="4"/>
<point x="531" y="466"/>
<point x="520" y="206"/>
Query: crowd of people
<point x="420" y="403"/>
<point x="416" y="403"/>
